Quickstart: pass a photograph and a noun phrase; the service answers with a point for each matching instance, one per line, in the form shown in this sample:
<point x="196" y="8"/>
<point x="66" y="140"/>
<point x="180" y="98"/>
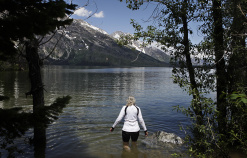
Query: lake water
<point x="98" y="94"/>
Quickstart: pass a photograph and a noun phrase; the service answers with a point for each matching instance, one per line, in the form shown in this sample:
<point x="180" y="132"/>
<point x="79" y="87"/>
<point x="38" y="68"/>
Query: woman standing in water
<point x="130" y="112"/>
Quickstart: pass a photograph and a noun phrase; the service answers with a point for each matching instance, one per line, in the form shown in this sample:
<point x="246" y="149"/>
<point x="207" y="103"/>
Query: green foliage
<point x="205" y="140"/>
<point x="134" y="4"/>
<point x="237" y="122"/>
<point x="176" y="155"/>
<point x="125" y="40"/>
<point x="240" y="98"/>
<point x="202" y="139"/>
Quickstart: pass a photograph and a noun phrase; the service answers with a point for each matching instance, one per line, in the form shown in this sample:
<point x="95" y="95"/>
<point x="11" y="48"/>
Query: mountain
<point x="152" y="50"/>
<point x="84" y="44"/>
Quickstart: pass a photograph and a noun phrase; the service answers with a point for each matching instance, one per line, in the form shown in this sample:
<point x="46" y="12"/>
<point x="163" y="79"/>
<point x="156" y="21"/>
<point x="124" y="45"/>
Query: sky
<point x="113" y="15"/>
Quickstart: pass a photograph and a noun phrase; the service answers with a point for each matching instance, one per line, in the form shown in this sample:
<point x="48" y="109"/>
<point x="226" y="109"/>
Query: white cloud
<point x="86" y="13"/>
<point x="83" y="12"/>
<point x="99" y="15"/>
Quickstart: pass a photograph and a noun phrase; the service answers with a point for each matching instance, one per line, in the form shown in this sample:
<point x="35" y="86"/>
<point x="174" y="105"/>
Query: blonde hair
<point x="131" y="101"/>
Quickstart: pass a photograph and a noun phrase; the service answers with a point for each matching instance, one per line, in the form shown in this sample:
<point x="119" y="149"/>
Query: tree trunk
<point x="37" y="92"/>
<point x="196" y="107"/>
<point x="237" y="62"/>
<point x="220" y="65"/>
<point x="34" y="63"/>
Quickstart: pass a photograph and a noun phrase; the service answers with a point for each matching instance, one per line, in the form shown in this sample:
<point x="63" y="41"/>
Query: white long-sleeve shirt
<point x="130" y="119"/>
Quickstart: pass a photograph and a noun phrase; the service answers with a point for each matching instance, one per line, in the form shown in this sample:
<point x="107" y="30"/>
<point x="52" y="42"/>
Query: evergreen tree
<point x="23" y="23"/>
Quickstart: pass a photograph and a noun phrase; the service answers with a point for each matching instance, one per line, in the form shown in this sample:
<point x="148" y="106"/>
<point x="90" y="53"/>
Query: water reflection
<point x="14" y="85"/>
<point x="95" y="86"/>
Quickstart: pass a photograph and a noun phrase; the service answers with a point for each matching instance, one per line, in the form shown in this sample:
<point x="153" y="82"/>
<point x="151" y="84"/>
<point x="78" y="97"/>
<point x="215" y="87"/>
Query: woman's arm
<point x="142" y="121"/>
<point x="119" y="118"/>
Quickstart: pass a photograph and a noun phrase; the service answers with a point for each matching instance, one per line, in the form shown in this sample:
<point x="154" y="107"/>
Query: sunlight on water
<point x="98" y="94"/>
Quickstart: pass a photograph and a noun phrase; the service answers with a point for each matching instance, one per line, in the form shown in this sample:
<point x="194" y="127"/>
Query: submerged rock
<point x="163" y="139"/>
<point x="168" y="138"/>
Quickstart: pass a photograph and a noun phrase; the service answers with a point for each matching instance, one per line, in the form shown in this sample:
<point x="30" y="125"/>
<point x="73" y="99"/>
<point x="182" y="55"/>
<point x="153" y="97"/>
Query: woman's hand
<point x="146" y="133"/>
<point x="111" y="129"/>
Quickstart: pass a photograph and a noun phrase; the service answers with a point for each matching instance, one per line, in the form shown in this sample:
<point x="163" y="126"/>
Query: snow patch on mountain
<point x="117" y="36"/>
<point x="155" y="50"/>
<point x="66" y="34"/>
<point x="84" y="23"/>
<point x="138" y="44"/>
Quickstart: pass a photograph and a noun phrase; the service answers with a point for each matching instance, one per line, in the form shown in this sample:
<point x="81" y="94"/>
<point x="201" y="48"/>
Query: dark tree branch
<point x="54" y="46"/>
<point x="48" y="39"/>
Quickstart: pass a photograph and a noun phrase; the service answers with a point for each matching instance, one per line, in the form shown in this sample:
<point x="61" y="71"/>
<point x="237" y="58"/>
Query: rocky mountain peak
<point x="84" y="44"/>
<point x="87" y="25"/>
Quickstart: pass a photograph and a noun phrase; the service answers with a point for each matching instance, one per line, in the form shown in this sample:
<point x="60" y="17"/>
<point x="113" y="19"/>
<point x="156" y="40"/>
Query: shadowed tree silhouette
<point x="14" y="123"/>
